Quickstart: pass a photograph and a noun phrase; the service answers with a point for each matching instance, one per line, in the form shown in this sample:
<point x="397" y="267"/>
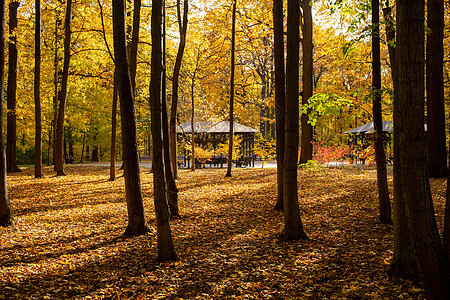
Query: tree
<point x="5" y="207"/>
<point x="383" y="191"/>
<point x="62" y="95"/>
<point x="37" y="95"/>
<point x="403" y="263"/>
<point x="11" y="136"/>
<point x="436" y="142"/>
<point x="293" y="227"/>
<point x="182" y="26"/>
<point x="233" y="53"/>
<point x="280" y="92"/>
<point x="137" y="225"/>
<point x="410" y="136"/>
<point x="308" y="83"/>
<point x="166" y="250"/>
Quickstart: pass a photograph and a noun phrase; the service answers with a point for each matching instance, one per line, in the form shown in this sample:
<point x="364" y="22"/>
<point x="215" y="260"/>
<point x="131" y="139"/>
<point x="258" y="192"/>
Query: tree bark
<point x="112" y="167"/>
<point x="293" y="227"/>
<point x="11" y="135"/>
<point x="233" y="50"/>
<point x="59" y="146"/>
<point x="308" y="83"/>
<point x="166" y="250"/>
<point x="182" y="24"/>
<point x="436" y="142"/>
<point x="433" y="264"/>
<point x="5" y="207"/>
<point x="37" y="95"/>
<point x="172" y="190"/>
<point x="280" y="93"/>
<point x="383" y="191"/>
<point x="137" y="225"/>
<point x="135" y="42"/>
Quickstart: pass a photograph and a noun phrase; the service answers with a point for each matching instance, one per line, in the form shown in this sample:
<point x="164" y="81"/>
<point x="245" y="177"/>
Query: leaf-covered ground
<point x="68" y="241"/>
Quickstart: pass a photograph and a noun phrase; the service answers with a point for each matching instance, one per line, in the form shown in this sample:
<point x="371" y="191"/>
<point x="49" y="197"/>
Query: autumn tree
<point x="410" y="136"/>
<point x="293" y="227"/>
<point x="308" y="83"/>
<point x="280" y="92"/>
<point x="37" y="95"/>
<point x="5" y="207"/>
<point x="436" y="141"/>
<point x="59" y="146"/>
<point x="182" y="27"/>
<point x="137" y="225"/>
<point x="231" y="118"/>
<point x="11" y="135"/>
<point x="166" y="250"/>
<point x="383" y="192"/>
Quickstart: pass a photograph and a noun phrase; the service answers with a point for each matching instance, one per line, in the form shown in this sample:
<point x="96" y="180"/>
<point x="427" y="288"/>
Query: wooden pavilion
<point x="214" y="133"/>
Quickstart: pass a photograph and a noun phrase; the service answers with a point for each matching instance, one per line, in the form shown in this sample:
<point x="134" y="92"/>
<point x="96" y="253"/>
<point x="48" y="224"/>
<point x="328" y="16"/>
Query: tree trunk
<point x="175" y="80"/>
<point x="404" y="263"/>
<point x="172" y="191"/>
<point x="166" y="250"/>
<point x="231" y="133"/>
<point x="192" y="124"/>
<point x="135" y="42"/>
<point x="5" y="207"/>
<point x="59" y="151"/>
<point x="436" y="143"/>
<point x="112" y="167"/>
<point x="308" y="83"/>
<point x="37" y="95"/>
<point x="278" y="18"/>
<point x="55" y="84"/>
<point x="432" y="261"/>
<point x="137" y="225"/>
<point x="11" y="136"/>
<point x="293" y="227"/>
<point x="383" y="191"/>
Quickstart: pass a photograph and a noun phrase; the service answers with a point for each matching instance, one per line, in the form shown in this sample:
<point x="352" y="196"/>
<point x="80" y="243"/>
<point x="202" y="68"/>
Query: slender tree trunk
<point x="233" y="50"/>
<point x="192" y="122"/>
<point x="166" y="250"/>
<point x="280" y="93"/>
<point x="59" y="151"/>
<point x="112" y="167"/>
<point x="182" y="25"/>
<point x="55" y="84"/>
<point x="11" y="136"/>
<point x="172" y="191"/>
<point x="404" y="263"/>
<point x="436" y="142"/>
<point x="37" y="94"/>
<point x="5" y="207"/>
<point x="383" y="191"/>
<point x="137" y="225"/>
<point x="135" y="42"/>
<point x="433" y="265"/>
<point x="293" y="227"/>
<point x="308" y="82"/>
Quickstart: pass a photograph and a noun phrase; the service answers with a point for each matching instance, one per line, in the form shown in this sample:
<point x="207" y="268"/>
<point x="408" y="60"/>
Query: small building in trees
<point x="212" y="135"/>
<point x="365" y="133"/>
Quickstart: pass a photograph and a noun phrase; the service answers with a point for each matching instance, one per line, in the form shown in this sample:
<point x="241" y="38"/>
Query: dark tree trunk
<point x="55" y="84"/>
<point x="112" y="167"/>
<point x="308" y="83"/>
<point x="166" y="250"/>
<point x="278" y="18"/>
<point x="192" y="122"/>
<point x="404" y="263"/>
<point x="432" y="261"/>
<point x="182" y="24"/>
<point x="59" y="151"/>
<point x="231" y="133"/>
<point x="446" y="236"/>
<point x="172" y="191"/>
<point x="37" y="95"/>
<point x="5" y="207"/>
<point x="383" y="191"/>
<point x="135" y="42"/>
<point x="11" y="134"/>
<point x="137" y="225"/>
<point x="293" y="227"/>
<point x="436" y="143"/>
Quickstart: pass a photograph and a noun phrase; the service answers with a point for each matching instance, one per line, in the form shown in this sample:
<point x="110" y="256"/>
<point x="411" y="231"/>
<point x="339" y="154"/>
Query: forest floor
<point x="68" y="243"/>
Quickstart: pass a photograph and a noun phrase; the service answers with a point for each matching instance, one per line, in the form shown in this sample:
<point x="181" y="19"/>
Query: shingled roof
<point x="387" y="126"/>
<point x="214" y="127"/>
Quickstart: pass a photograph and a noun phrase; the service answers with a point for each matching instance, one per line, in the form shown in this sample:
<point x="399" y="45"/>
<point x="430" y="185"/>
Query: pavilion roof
<point x="387" y="126"/>
<point x="214" y="127"/>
